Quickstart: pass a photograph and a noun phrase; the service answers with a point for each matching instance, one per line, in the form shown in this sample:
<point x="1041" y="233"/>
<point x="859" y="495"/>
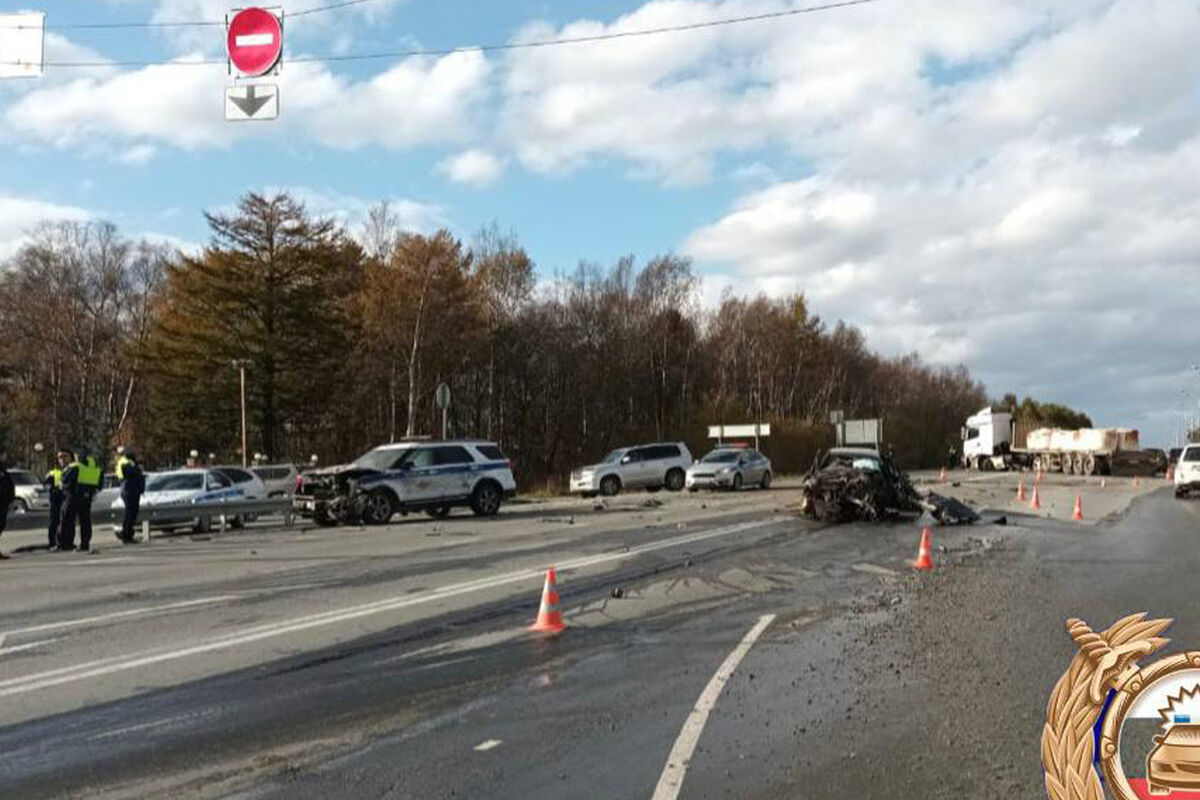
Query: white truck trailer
<point x="992" y="440"/>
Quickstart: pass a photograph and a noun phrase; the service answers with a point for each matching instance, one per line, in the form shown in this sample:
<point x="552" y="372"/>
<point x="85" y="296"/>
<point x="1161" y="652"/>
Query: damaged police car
<point x="433" y="477"/>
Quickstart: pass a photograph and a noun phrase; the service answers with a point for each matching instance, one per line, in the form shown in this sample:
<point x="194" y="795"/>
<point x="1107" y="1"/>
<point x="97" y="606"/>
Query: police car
<point x="433" y="477"/>
<point x="182" y="488"/>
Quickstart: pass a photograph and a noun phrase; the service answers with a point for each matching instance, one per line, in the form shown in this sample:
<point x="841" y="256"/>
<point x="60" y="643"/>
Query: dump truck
<point x="994" y="440"/>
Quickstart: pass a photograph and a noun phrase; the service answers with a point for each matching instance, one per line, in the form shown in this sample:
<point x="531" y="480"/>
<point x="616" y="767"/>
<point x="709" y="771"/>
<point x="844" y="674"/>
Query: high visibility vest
<point x="122" y="462"/>
<point x="56" y="476"/>
<point x="89" y="472"/>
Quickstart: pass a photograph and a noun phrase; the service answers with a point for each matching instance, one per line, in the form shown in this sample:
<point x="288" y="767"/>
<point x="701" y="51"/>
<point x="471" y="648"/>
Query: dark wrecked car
<point x="848" y="484"/>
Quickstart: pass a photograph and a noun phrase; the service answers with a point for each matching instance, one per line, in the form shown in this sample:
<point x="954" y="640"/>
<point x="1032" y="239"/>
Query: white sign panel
<point x="256" y="101"/>
<point x="22" y="44"/>
<point x="738" y="431"/>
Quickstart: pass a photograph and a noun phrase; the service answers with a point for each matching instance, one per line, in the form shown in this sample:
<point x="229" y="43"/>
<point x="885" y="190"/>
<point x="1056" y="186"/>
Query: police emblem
<point x="1139" y="726"/>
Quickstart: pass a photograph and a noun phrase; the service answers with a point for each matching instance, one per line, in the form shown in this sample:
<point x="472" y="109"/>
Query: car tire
<point x="693" y="489"/>
<point x="766" y="480"/>
<point x="323" y="519"/>
<point x="610" y="486"/>
<point x="675" y="480"/>
<point x="378" y="507"/>
<point x="438" y="512"/>
<point x="1180" y="494"/>
<point x="737" y="482"/>
<point x="18" y="506"/>
<point x="486" y="499"/>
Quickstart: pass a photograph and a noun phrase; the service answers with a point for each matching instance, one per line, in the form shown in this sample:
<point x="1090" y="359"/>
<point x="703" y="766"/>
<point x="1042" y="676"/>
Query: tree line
<point x="345" y="338"/>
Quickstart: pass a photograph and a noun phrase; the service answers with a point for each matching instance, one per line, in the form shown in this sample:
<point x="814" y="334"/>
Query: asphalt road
<point x="393" y="662"/>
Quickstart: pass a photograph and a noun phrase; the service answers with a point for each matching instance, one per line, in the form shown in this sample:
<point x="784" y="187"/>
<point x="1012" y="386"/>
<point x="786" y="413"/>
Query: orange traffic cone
<point x="1077" y="514"/>
<point x="1021" y="491"/>
<point x="942" y="476"/>
<point x="1170" y="473"/>
<point x="1036" y="505"/>
<point x="549" y="618"/>
<point x="925" y="553"/>
<point x="1037" y="481"/>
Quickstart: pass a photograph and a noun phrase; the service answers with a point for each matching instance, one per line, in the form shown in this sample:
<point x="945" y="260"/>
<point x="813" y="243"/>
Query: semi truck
<point x="994" y="440"/>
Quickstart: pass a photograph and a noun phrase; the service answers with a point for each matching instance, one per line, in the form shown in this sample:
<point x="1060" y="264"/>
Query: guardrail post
<point x="146" y="529"/>
<point x="222" y="522"/>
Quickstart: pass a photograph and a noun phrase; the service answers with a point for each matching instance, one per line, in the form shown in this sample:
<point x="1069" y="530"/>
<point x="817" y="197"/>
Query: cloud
<point x="351" y="211"/>
<point x="477" y="168"/>
<point x="19" y="215"/>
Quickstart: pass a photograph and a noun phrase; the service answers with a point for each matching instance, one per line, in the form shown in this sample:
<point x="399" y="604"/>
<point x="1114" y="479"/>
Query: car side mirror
<point x="626" y="459"/>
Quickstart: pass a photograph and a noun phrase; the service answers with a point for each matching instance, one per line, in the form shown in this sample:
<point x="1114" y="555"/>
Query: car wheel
<point x="737" y="482"/>
<point x="693" y="490"/>
<point x="675" y="480"/>
<point x="485" y="500"/>
<point x="610" y="486"/>
<point x="438" y="512"/>
<point x="323" y="519"/>
<point x="378" y="507"/>
<point x="18" y="506"/>
<point x="766" y="480"/>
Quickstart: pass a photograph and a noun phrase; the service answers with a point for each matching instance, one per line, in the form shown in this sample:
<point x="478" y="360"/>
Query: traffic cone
<point x="1037" y="481"/>
<point x="1170" y="473"/>
<point x="549" y="618"/>
<point x="925" y="553"/>
<point x="942" y="478"/>
<point x="1077" y="514"/>
<point x="1036" y="505"/>
<point x="1021" y="491"/>
<point x="1103" y="483"/>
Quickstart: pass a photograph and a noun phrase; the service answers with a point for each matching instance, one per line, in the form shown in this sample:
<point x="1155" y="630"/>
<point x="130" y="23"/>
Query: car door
<point x="418" y="476"/>
<point x="633" y="468"/>
<point x="655" y="463"/>
<point x="754" y="467"/>
<point x="455" y="475"/>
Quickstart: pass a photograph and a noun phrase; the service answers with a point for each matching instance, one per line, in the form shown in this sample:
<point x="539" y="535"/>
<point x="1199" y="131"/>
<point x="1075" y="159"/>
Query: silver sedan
<point x="730" y="468"/>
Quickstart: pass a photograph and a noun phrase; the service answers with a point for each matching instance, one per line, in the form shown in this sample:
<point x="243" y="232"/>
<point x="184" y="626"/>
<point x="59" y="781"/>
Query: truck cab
<point x="987" y="434"/>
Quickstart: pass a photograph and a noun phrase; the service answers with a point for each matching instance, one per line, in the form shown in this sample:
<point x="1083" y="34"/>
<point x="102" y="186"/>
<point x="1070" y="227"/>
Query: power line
<point x="485" y="48"/>
<point x="101" y="26"/>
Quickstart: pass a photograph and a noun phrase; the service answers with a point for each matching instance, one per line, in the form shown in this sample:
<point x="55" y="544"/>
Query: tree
<point x="269" y="289"/>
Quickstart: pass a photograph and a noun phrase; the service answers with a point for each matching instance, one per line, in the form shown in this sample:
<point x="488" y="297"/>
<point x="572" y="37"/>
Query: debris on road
<point x="651" y="502"/>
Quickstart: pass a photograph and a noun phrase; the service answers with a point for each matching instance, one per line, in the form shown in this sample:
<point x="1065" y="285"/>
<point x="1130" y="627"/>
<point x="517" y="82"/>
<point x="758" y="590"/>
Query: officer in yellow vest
<point x="133" y="484"/>
<point x="81" y="482"/>
<point x="53" y="482"/>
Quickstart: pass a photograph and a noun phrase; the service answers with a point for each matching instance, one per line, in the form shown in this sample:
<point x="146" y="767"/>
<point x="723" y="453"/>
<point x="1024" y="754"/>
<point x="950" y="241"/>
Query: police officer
<point x="7" y="492"/>
<point x="133" y="483"/>
<point x="81" y="481"/>
<point x="53" y="482"/>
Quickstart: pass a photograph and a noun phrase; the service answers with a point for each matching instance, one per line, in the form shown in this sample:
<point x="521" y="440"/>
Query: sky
<point x="1007" y="184"/>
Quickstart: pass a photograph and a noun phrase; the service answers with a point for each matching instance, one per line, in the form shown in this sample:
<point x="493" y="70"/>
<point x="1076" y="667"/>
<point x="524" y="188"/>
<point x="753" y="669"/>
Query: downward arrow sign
<point x="252" y="103"/>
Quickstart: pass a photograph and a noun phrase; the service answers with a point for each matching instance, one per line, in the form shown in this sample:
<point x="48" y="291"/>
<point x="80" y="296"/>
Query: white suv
<point x="30" y="494"/>
<point x="432" y="477"/>
<point x="652" y="466"/>
<point x="1187" y="471"/>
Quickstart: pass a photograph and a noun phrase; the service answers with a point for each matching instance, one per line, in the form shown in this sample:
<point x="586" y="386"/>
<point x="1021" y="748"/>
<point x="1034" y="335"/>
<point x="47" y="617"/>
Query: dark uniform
<point x="133" y="483"/>
<point x="81" y="481"/>
<point x="7" y="492"/>
<point x="53" y="482"/>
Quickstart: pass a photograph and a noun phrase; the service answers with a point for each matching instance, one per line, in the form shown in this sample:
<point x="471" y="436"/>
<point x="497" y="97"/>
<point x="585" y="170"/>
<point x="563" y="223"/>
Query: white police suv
<point x="433" y="477"/>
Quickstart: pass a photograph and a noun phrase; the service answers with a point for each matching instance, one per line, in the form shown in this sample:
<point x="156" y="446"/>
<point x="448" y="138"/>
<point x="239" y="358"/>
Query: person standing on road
<point x="133" y="483"/>
<point x="81" y="481"/>
<point x="53" y="482"/>
<point x="7" y="492"/>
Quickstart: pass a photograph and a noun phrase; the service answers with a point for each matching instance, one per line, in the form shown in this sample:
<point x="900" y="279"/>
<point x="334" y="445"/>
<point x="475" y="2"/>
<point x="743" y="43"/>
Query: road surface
<point x="718" y="647"/>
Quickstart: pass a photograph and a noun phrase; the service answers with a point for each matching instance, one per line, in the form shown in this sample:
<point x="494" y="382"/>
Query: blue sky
<point x="974" y="180"/>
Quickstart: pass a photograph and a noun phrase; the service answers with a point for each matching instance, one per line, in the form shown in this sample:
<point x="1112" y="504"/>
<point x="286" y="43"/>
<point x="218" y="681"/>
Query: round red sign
<point x="255" y="41"/>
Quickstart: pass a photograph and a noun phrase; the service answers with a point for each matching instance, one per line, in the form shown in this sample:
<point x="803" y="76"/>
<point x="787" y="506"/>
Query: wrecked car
<point x="850" y="484"/>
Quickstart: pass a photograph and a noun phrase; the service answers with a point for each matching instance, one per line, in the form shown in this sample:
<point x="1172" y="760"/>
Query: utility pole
<point x="240" y="365"/>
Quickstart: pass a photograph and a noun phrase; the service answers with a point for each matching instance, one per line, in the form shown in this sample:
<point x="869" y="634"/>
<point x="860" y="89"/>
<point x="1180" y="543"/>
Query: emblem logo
<point x="1140" y="724"/>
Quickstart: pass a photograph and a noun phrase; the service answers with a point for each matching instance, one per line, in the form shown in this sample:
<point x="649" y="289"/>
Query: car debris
<point x="849" y="484"/>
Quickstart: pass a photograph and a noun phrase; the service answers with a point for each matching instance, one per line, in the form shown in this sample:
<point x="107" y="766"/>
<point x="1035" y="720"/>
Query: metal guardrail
<point x="220" y="511"/>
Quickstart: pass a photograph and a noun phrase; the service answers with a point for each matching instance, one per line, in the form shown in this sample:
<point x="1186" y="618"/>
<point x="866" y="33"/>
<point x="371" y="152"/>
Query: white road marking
<point x="677" y="762"/>
<point x="115" y="664"/>
<point x="77" y="623"/>
<point x="872" y="569"/>
<point x="483" y="747"/>
<point x="17" y="648"/>
<point x="254" y="39"/>
<point x="131" y="728"/>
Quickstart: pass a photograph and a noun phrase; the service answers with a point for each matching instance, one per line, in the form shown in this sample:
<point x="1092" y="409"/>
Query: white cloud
<point x="351" y="211"/>
<point x="477" y="168"/>
<point x="19" y="215"/>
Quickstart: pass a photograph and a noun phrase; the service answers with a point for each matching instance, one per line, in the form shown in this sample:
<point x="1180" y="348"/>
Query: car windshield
<point x="378" y="459"/>
<point x="613" y="457"/>
<point x="1192" y="454"/>
<point x="721" y="456"/>
<point x="177" y="482"/>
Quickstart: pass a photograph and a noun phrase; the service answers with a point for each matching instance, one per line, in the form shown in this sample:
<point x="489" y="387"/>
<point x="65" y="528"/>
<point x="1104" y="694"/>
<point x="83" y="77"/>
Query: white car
<point x="182" y="488"/>
<point x="730" y="468"/>
<point x="1187" y="471"/>
<point x="433" y="477"/>
<point x="31" y="494"/>
<point x="649" y="466"/>
<point x="251" y="485"/>
<point x="280" y="479"/>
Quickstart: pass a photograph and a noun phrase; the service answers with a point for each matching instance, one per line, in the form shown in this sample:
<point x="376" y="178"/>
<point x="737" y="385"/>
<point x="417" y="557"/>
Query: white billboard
<point x="22" y="44"/>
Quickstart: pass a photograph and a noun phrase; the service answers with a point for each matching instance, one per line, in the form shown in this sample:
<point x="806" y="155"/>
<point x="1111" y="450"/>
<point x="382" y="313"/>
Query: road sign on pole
<point x="443" y="402"/>
<point x="22" y="44"/>
<point x="256" y="101"/>
<point x="254" y="40"/>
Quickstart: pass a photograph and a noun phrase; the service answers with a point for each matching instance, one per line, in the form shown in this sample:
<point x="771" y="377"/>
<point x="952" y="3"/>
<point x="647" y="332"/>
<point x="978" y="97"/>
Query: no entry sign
<point x="255" y="41"/>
